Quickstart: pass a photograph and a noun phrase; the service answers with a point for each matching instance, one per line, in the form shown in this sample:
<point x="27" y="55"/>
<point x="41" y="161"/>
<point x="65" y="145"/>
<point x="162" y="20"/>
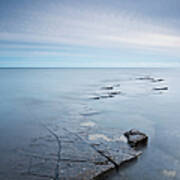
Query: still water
<point x="32" y="97"/>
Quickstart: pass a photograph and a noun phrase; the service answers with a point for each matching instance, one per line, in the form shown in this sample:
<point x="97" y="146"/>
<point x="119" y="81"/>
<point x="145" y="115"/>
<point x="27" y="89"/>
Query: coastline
<point x="103" y="120"/>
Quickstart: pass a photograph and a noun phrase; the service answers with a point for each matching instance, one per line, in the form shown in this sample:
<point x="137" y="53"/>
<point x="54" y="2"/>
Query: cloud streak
<point x="44" y="31"/>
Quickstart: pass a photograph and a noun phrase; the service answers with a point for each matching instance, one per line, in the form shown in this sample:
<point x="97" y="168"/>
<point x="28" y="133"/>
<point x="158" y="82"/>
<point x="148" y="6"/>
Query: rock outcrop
<point x="136" y="138"/>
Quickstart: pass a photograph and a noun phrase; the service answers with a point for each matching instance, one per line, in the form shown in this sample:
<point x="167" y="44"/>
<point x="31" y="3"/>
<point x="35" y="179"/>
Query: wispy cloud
<point x="44" y="31"/>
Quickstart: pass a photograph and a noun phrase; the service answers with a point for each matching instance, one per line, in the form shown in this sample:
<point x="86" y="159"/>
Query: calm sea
<point x="32" y="97"/>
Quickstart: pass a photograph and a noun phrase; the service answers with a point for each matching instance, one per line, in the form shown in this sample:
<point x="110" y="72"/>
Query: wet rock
<point x="95" y="97"/>
<point x="107" y="96"/>
<point x="110" y="145"/>
<point x="160" y="88"/>
<point x="157" y="80"/>
<point x="82" y="154"/>
<point x="108" y="88"/>
<point x="145" y="78"/>
<point x="104" y="96"/>
<point x="90" y="113"/>
<point x="136" y="138"/>
<point x="117" y="85"/>
<point x="148" y="78"/>
<point x="112" y="93"/>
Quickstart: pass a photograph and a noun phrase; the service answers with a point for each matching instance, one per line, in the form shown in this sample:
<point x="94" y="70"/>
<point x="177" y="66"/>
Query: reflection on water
<point x="32" y="97"/>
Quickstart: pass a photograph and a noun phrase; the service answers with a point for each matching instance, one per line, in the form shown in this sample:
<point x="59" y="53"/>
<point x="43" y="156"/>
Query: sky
<point x="89" y="33"/>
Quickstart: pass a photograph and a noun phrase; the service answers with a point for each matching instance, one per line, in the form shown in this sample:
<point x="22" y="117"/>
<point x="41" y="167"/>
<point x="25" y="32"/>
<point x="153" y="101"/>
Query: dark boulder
<point x="136" y="137"/>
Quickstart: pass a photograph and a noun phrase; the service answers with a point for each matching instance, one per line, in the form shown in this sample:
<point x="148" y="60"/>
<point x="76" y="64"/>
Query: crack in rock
<point x="57" y="169"/>
<point x="93" y="147"/>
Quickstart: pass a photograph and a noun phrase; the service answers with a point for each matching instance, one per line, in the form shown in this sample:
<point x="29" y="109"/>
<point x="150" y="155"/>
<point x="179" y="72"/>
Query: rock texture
<point x="136" y="138"/>
<point x="108" y="88"/>
<point x="148" y="78"/>
<point x="83" y="154"/>
<point x="160" y="88"/>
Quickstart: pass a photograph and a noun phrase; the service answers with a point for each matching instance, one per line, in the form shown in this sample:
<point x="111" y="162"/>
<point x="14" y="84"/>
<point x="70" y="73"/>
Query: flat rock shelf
<point x="64" y="154"/>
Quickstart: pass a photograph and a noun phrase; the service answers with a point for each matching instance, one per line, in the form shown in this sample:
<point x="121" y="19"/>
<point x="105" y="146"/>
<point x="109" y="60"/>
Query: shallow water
<point x="31" y="98"/>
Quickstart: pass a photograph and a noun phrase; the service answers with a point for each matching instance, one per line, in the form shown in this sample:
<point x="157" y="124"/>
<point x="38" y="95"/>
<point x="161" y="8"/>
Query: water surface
<point x="31" y="98"/>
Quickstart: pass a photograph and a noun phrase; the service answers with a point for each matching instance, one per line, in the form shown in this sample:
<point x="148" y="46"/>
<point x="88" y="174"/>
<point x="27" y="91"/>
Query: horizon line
<point x="164" y="67"/>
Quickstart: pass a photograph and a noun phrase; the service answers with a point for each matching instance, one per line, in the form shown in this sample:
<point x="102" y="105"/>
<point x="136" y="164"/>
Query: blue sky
<point x="83" y="33"/>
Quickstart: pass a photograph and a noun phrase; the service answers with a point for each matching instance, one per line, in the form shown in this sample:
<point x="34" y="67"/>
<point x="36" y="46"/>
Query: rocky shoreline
<point x="86" y="151"/>
<point x="82" y="155"/>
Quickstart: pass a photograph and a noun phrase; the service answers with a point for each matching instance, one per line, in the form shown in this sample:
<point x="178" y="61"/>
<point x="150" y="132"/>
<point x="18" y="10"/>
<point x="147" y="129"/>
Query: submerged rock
<point x="117" y="85"/>
<point x="90" y="113"/>
<point x="107" y="96"/>
<point x="103" y="96"/>
<point x="108" y="88"/>
<point x="95" y="97"/>
<point x="169" y="173"/>
<point x="148" y="78"/>
<point x="114" y="93"/>
<point x="136" y="137"/>
<point x="157" y="80"/>
<point x="160" y="88"/>
<point x="88" y="124"/>
<point x="145" y="78"/>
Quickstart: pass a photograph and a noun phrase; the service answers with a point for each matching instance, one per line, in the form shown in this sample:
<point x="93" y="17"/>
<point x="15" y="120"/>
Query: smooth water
<point x="30" y="98"/>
